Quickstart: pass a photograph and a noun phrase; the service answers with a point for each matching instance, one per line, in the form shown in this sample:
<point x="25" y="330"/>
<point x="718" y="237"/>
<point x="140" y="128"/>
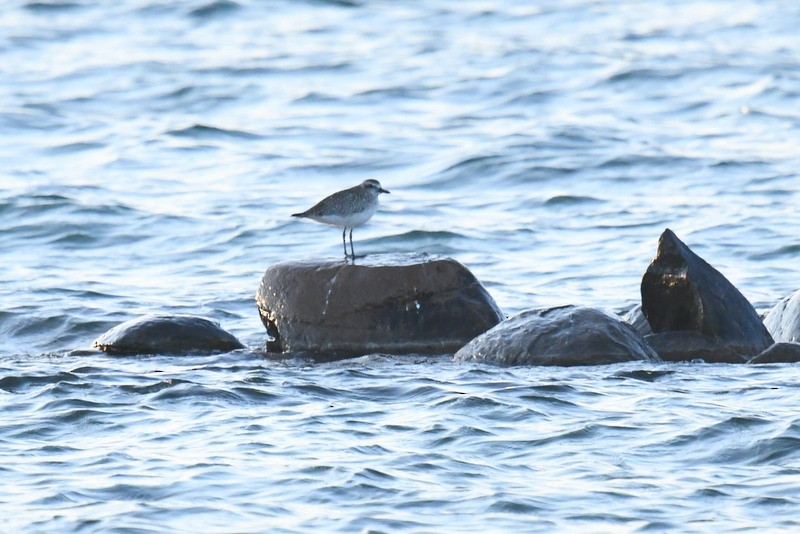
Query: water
<point x="150" y="156"/>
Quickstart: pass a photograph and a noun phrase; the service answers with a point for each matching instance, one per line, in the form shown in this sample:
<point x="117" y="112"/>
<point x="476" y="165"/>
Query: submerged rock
<point x="392" y="303"/>
<point x="688" y="345"/>
<point x="779" y="353"/>
<point x="569" y="335"/>
<point x="167" y="334"/>
<point x="681" y="292"/>
<point x="783" y="320"/>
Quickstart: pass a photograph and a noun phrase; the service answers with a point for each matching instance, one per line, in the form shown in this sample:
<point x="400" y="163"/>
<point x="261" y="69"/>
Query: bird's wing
<point x="337" y="202"/>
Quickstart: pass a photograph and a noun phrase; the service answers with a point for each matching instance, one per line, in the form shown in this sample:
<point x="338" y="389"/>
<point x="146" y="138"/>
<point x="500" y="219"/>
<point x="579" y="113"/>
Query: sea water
<point x="151" y="154"/>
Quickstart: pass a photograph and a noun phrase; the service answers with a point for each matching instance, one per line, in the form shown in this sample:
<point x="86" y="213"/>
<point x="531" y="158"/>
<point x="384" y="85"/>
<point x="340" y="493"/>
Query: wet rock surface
<point x="782" y="352"/>
<point x="167" y="334"/>
<point x="635" y="317"/>
<point x="783" y="320"/>
<point x="689" y="345"/>
<point x="391" y="303"/>
<point x="569" y="335"/>
<point x="681" y="292"/>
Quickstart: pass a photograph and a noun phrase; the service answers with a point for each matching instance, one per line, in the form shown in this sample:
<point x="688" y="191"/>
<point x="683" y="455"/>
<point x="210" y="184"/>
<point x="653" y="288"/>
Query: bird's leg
<point x="353" y="252"/>
<point x="344" y="243"/>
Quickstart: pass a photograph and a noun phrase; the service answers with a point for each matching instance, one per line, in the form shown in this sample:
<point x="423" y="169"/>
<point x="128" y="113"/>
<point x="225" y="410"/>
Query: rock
<point x="167" y="334"/>
<point x="688" y="345"/>
<point x="783" y="320"/>
<point x="389" y="303"/>
<point x="635" y="317"/>
<point x="680" y="291"/>
<point x="568" y="335"/>
<point x="779" y="353"/>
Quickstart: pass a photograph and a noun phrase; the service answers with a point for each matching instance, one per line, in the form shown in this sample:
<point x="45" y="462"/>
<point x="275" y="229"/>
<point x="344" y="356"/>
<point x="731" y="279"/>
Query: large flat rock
<point x="569" y="335"/>
<point x="681" y="292"/>
<point x="389" y="303"/>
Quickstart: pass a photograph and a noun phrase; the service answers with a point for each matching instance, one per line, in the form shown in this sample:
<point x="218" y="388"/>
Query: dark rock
<point x="681" y="292"/>
<point x="569" y="335"/>
<point x="688" y="345"/>
<point x="783" y="320"/>
<point x="390" y="303"/>
<point x="779" y="353"/>
<point x="635" y="317"/>
<point x="167" y="334"/>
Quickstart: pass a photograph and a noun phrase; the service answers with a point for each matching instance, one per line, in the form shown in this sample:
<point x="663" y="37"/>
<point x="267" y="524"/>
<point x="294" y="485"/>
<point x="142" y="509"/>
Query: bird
<point x="347" y="208"/>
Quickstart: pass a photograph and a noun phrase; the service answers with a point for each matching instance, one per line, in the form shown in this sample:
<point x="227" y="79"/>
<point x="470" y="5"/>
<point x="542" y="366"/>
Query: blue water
<point x="152" y="152"/>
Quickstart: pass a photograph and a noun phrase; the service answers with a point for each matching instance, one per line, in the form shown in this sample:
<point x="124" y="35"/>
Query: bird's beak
<point x="382" y="190"/>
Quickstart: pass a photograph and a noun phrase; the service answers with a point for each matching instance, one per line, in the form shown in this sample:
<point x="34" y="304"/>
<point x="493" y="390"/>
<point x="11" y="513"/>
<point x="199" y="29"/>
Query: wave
<point x="203" y="131"/>
<point x="256" y="395"/>
<point x="643" y="375"/>
<point x="258" y="70"/>
<point x="23" y="329"/>
<point x="59" y="207"/>
<point x="714" y="443"/>
<point x="571" y="200"/>
<point x="665" y="74"/>
<point x="417" y="236"/>
<point x="156" y="387"/>
<point x="339" y="3"/>
<point x="195" y="393"/>
<point x="785" y="251"/>
<point x="474" y="163"/>
<point x="635" y="160"/>
<point x="19" y="383"/>
<point x="315" y="97"/>
<point x="508" y="504"/>
<point x="388" y="93"/>
<point x="52" y="7"/>
<point x="79" y="146"/>
<point x="531" y="98"/>
<point x="215" y="9"/>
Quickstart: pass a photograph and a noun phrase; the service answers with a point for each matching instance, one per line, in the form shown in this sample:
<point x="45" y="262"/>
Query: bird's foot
<point x="353" y="257"/>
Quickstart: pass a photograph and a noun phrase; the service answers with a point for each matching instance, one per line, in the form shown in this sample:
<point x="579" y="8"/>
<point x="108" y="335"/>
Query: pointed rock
<point x="392" y="303"/>
<point x="680" y="291"/>
<point x="569" y="335"/>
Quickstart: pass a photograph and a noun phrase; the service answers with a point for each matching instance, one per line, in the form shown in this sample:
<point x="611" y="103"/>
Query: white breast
<point x="349" y="221"/>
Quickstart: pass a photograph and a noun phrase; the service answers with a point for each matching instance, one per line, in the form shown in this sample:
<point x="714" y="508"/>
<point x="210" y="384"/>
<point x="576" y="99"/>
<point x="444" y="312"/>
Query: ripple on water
<point x="216" y="9"/>
<point x="16" y="384"/>
<point x="203" y="131"/>
<point x="52" y="7"/>
<point x="571" y="200"/>
<point x="155" y="387"/>
<point x="189" y="392"/>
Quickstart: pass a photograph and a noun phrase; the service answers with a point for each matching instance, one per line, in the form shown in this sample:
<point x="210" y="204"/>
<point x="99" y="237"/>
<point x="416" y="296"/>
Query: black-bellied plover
<point x="347" y="209"/>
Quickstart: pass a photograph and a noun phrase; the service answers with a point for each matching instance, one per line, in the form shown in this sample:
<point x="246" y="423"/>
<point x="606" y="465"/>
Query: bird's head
<point x="374" y="186"/>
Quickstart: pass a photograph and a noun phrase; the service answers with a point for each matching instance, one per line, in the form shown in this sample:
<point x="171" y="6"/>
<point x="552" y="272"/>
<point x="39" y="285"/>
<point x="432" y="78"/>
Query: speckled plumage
<point x="347" y="209"/>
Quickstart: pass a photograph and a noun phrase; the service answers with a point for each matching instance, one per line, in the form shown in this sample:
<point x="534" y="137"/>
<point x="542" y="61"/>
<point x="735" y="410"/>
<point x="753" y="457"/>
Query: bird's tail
<point x="298" y="214"/>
